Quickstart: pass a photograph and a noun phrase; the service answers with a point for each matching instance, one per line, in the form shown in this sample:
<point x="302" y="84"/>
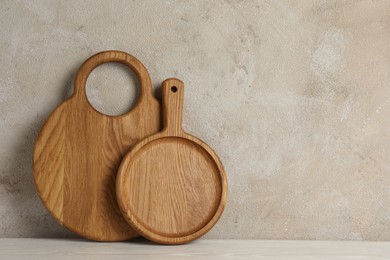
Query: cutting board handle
<point x="173" y="95"/>
<point x="113" y="56"/>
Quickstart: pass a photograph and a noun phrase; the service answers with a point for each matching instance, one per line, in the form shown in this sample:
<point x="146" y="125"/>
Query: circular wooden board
<point x="171" y="187"/>
<point x="78" y="151"/>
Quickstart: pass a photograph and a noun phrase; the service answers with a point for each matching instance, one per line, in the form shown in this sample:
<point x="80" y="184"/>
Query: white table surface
<point x="74" y="249"/>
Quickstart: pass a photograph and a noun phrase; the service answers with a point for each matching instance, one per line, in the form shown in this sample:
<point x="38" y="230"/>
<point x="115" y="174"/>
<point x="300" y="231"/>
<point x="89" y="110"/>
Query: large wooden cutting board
<point x="78" y="151"/>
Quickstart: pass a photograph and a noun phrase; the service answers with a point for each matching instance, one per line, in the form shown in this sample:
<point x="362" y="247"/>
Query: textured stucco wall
<point x="293" y="95"/>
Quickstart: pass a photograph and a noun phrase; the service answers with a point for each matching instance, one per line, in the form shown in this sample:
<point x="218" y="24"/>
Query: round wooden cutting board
<point x="171" y="187"/>
<point x="78" y="152"/>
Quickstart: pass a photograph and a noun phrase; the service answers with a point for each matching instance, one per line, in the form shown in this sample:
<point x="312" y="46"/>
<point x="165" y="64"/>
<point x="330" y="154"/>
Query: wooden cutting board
<point x="172" y="187"/>
<point x="78" y="151"/>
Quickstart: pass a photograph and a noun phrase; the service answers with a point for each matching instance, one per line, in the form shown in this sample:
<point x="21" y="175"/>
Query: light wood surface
<point x="49" y="249"/>
<point x="78" y="151"/>
<point x="172" y="187"/>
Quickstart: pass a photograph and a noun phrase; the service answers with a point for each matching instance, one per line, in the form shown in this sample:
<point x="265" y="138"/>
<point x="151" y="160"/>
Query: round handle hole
<point x="112" y="88"/>
<point x="174" y="89"/>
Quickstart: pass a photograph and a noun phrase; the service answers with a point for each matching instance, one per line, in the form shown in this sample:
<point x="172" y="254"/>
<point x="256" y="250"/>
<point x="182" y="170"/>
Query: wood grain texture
<point x="171" y="187"/>
<point x="78" y="151"/>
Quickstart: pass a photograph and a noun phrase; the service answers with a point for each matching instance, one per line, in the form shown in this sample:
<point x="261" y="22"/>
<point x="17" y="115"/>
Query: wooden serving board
<point x="78" y="152"/>
<point x="172" y="187"/>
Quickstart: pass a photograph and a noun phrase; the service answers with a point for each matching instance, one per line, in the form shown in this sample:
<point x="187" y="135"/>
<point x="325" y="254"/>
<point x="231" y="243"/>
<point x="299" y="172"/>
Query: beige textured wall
<point x="293" y="95"/>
